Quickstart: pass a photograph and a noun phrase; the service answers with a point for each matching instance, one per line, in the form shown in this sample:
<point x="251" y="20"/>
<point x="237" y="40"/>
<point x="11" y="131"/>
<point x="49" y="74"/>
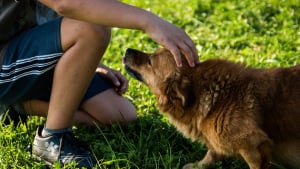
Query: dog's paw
<point x="197" y="165"/>
<point x="190" y="166"/>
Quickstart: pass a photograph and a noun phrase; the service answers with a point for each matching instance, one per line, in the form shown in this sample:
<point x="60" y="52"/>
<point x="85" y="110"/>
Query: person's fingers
<point x="120" y="82"/>
<point x="176" y="54"/>
<point x="183" y="46"/>
<point x="194" y="53"/>
<point x="115" y="81"/>
<point x="176" y="41"/>
<point x="183" y="50"/>
<point x="188" y="54"/>
<point x="110" y="75"/>
<point x="124" y="83"/>
<point x="188" y="49"/>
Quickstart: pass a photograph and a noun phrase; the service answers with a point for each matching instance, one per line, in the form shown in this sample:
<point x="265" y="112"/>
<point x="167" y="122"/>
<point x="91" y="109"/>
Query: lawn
<point x="255" y="32"/>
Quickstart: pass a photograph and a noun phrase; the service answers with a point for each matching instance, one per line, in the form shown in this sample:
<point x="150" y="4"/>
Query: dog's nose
<point x="129" y="51"/>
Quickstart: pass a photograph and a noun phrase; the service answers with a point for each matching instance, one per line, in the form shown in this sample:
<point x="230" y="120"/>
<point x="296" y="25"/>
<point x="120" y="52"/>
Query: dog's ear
<point x="179" y="88"/>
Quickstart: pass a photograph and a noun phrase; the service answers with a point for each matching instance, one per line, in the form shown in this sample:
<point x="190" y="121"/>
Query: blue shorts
<point x="28" y="66"/>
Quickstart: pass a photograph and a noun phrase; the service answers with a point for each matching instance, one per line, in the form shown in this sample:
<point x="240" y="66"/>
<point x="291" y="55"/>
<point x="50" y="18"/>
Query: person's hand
<point x="120" y="82"/>
<point x="174" y="39"/>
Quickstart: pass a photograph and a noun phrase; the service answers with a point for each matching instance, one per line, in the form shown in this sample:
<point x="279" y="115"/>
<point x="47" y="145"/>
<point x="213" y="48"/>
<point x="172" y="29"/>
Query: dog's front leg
<point x="257" y="157"/>
<point x="208" y="161"/>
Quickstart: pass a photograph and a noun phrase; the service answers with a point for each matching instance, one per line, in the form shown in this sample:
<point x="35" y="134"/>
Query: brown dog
<point x="232" y="109"/>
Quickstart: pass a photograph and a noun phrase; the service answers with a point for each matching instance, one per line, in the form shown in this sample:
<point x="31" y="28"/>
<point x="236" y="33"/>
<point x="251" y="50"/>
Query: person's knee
<point x="102" y="33"/>
<point x="73" y="31"/>
<point x="98" y="35"/>
<point x="118" y="109"/>
<point x="109" y="107"/>
<point x="124" y="113"/>
<point x="130" y="114"/>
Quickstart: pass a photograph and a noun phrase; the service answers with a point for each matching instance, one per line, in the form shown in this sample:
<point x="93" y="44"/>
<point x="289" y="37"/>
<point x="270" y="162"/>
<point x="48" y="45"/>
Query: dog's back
<point x="277" y="95"/>
<point x="280" y="108"/>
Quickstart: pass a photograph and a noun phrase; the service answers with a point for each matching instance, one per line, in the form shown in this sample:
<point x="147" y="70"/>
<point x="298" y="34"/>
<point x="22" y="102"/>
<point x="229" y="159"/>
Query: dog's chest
<point x="200" y="131"/>
<point x="189" y="130"/>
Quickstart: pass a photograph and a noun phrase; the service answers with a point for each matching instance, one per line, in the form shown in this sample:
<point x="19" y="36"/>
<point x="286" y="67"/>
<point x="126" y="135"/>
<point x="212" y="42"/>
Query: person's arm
<point x="116" y="14"/>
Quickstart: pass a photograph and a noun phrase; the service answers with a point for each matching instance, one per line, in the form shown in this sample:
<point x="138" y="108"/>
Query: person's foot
<point x="63" y="148"/>
<point x="12" y="113"/>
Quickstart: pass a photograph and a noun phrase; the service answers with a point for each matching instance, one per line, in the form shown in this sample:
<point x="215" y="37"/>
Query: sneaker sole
<point x="38" y="158"/>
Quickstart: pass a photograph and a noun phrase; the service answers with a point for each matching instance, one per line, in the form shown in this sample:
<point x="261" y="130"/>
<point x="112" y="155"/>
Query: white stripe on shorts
<point x="18" y="69"/>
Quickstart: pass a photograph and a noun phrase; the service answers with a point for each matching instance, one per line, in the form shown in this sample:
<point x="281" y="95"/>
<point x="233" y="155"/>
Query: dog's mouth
<point x="130" y="71"/>
<point x="134" y="73"/>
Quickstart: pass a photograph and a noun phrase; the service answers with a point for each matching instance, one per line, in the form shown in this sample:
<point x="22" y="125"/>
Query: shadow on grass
<point x="148" y="143"/>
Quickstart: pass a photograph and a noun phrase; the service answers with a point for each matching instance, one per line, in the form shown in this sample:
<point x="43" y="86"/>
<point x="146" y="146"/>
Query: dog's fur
<point x="232" y="109"/>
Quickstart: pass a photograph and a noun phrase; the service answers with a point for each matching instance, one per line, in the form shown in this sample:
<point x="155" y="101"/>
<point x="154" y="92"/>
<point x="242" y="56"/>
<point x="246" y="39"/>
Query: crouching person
<point x="49" y="60"/>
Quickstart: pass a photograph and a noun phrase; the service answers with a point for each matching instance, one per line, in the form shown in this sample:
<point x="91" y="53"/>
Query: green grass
<point x="258" y="33"/>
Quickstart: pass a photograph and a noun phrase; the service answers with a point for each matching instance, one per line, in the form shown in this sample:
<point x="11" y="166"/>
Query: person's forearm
<point x="103" y="12"/>
<point x="113" y="13"/>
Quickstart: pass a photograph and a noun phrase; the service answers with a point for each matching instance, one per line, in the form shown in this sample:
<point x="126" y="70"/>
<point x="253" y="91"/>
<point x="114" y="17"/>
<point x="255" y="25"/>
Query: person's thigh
<point x="28" y="63"/>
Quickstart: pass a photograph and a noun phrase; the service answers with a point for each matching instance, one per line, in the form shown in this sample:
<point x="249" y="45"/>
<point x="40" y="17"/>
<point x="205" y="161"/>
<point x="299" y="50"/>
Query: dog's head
<point x="160" y="73"/>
